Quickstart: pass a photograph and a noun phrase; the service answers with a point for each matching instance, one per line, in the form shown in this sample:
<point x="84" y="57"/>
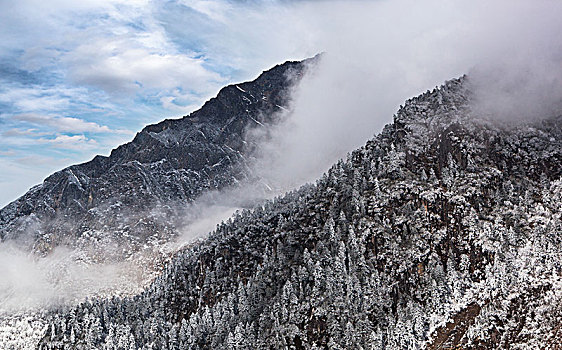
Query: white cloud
<point x="117" y="46"/>
<point x="31" y="99"/>
<point x="214" y="10"/>
<point x="29" y="282"/>
<point x="519" y="74"/>
<point x="74" y="142"/>
<point x="8" y="153"/>
<point x="244" y="37"/>
<point x="381" y="53"/>
<point x="171" y="103"/>
<point x="21" y="132"/>
<point x="63" y="124"/>
<point x="24" y="98"/>
<point x="116" y="66"/>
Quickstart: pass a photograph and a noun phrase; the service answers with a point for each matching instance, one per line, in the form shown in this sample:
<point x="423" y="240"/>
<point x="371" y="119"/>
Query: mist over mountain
<point x="440" y="232"/>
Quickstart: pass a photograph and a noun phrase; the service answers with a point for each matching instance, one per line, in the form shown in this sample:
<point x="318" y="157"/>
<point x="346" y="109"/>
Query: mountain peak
<point x="168" y="163"/>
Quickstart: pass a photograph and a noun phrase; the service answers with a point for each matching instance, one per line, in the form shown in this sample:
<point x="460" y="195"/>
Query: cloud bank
<point x="380" y="53"/>
<point x="32" y="283"/>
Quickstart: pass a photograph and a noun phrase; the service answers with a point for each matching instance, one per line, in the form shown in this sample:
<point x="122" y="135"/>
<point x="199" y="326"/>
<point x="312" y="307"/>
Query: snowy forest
<point x="441" y="232"/>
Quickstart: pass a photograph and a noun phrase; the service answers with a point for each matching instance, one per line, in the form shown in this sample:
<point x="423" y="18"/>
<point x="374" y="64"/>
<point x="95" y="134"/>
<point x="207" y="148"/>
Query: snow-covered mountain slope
<point x="442" y="232"/>
<point x="115" y="205"/>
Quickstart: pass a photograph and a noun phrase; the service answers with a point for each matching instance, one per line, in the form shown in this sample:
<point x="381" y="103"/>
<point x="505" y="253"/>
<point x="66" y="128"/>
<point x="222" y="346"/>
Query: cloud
<point x="20" y="132"/>
<point x="518" y="90"/>
<point x="21" y="282"/>
<point x="381" y="53"/>
<point x="175" y="103"/>
<point x="7" y="153"/>
<point x="240" y="39"/>
<point x="32" y="283"/>
<point x="116" y="46"/>
<point x="65" y="124"/>
<point x="32" y="99"/>
<point x="74" y="142"/>
<point x="519" y="76"/>
<point x="116" y="66"/>
<point x="48" y="99"/>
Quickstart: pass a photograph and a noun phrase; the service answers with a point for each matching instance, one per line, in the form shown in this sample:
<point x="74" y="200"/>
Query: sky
<point x="78" y="78"/>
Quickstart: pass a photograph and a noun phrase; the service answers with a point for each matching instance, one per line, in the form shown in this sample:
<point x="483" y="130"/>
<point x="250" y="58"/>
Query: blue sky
<point x="78" y="78"/>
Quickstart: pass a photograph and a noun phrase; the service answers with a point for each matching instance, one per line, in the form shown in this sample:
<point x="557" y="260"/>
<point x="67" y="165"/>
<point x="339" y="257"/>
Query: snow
<point x="21" y="331"/>
<point x="255" y="120"/>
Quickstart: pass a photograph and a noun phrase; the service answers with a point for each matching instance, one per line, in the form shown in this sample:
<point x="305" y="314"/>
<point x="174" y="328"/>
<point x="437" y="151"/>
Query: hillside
<point x="442" y="232"/>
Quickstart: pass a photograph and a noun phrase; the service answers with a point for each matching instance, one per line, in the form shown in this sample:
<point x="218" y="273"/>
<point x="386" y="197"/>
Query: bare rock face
<point x="442" y="232"/>
<point x="131" y="196"/>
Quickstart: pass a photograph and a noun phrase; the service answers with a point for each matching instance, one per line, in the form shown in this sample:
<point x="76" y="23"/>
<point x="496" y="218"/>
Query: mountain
<point x="442" y="232"/>
<point x="115" y="205"/>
